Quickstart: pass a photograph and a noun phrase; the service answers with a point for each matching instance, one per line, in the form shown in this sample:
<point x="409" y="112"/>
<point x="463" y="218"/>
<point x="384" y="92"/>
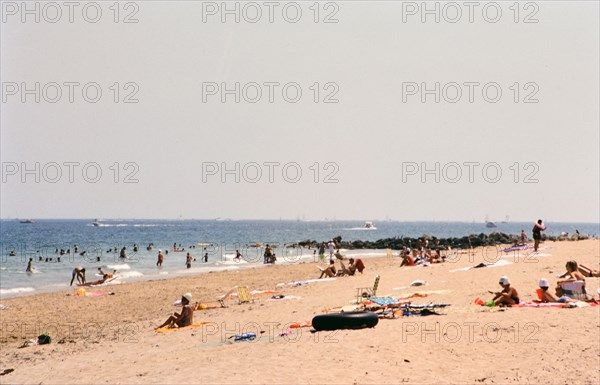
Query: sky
<point x="339" y="110"/>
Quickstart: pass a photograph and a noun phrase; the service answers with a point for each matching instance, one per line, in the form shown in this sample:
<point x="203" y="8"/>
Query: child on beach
<point x="545" y="295"/>
<point x="188" y="261"/>
<point x="185" y="318"/>
<point x="507" y="297"/>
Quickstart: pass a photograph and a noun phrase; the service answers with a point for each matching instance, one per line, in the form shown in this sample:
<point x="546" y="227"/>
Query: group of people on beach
<point x="79" y="274"/>
<point x="570" y="287"/>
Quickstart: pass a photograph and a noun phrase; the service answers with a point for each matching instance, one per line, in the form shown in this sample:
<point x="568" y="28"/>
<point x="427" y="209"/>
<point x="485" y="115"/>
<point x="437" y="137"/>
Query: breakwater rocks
<point x="465" y="242"/>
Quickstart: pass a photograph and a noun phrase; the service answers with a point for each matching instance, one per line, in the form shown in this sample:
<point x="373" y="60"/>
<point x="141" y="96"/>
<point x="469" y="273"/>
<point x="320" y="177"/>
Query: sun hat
<point x="504" y="280"/>
<point x="187" y="296"/>
<point x="544" y="283"/>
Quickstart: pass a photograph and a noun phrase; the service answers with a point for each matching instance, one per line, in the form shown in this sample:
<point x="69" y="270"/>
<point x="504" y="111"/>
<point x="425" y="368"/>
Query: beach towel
<point x="305" y="282"/>
<point x="555" y="304"/>
<point x="483" y="264"/>
<point x="383" y="301"/>
<point x="167" y="329"/>
<point x="516" y="248"/>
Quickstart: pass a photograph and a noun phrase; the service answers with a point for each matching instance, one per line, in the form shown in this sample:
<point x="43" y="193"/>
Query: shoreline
<point x="225" y="265"/>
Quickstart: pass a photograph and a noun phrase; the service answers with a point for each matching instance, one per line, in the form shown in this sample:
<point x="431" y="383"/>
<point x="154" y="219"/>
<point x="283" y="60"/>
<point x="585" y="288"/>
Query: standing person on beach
<point x="78" y="272"/>
<point x="188" y="260"/>
<point x="331" y="246"/>
<point x="322" y="252"/>
<point x="161" y="257"/>
<point x="537" y="234"/>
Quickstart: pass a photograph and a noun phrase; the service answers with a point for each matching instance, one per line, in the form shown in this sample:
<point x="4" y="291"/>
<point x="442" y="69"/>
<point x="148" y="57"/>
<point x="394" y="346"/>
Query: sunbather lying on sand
<point x="508" y="296"/>
<point x="185" y="318"/>
<point x="329" y="271"/>
<point x="588" y="272"/>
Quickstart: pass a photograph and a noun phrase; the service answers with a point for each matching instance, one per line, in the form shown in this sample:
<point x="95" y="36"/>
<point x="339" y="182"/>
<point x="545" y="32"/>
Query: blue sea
<point x="219" y="238"/>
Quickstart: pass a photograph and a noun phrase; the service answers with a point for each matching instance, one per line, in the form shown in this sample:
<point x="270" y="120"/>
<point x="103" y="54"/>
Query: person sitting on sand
<point x="508" y="296"/>
<point x="185" y="318"/>
<point x="407" y="260"/>
<point x="339" y="255"/>
<point x="546" y="296"/>
<point x="356" y="265"/>
<point x="573" y="274"/>
<point x="328" y="271"/>
<point x="78" y="272"/>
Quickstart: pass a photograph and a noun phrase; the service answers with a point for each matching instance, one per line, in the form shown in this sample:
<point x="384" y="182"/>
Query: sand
<point x="110" y="339"/>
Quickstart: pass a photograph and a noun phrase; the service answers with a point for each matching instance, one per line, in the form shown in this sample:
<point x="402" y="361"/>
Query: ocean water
<point x="220" y="238"/>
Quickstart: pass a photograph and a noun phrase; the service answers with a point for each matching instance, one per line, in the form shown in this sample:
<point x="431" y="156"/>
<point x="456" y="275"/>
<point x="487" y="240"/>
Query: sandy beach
<point x="111" y="338"/>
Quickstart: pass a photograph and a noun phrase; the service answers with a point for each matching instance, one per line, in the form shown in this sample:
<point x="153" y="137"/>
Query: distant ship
<point x="370" y="226"/>
<point x="488" y="223"/>
<point x="96" y="223"/>
<point x="26" y="221"/>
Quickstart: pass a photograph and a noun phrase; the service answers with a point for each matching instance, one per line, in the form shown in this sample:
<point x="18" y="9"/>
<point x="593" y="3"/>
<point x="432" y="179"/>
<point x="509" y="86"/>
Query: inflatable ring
<point x="347" y="320"/>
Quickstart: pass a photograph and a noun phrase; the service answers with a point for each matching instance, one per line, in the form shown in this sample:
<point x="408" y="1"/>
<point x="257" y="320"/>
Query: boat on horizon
<point x="26" y="221"/>
<point x="96" y="223"/>
<point x="370" y="226"/>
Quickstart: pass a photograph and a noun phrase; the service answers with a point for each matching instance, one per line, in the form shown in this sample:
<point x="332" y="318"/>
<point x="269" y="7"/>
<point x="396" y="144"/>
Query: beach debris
<point x="44" y="339"/>
<point x="418" y="282"/>
<point x="2" y="307"/>
<point x="28" y="343"/>
<point x="6" y="371"/>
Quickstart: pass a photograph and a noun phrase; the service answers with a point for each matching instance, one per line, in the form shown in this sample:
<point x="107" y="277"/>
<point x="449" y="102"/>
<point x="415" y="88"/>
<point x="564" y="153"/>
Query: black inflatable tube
<point x="347" y="320"/>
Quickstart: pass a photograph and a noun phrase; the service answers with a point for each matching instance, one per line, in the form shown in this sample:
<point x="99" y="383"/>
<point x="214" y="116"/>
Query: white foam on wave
<point x="129" y="274"/>
<point x="360" y="228"/>
<point x="123" y="266"/>
<point x="16" y="290"/>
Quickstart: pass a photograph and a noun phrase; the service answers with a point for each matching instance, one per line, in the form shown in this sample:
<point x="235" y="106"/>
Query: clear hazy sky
<point x="372" y="143"/>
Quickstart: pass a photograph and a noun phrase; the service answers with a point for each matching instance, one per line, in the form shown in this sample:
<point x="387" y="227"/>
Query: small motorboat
<point x="370" y="226"/>
<point x="26" y="221"/>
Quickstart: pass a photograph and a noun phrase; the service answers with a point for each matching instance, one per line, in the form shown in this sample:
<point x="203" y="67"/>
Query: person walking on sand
<point x="160" y="259"/>
<point x="537" y="234"/>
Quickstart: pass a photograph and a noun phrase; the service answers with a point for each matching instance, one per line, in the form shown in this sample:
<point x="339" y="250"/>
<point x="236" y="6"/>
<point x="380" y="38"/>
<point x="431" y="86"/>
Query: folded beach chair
<point x="574" y="290"/>
<point x="244" y="295"/>
<point x="375" y="286"/>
